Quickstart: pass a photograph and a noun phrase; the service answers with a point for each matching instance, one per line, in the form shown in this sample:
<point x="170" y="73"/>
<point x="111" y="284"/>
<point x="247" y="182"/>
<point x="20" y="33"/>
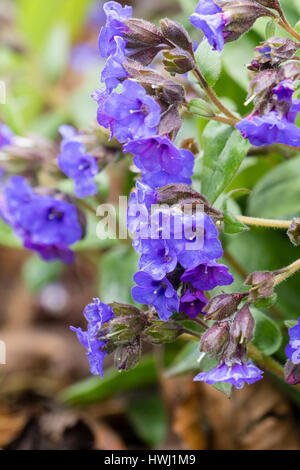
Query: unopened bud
<point x="141" y="33"/>
<point x="240" y="16"/>
<point x="274" y="4"/>
<point x="235" y="353"/>
<point x="273" y="52"/>
<point x="162" y="332"/>
<point x="243" y="326"/>
<point x="223" y="305"/>
<point x="294" y="232"/>
<point x="292" y="373"/>
<point x="214" y="339"/>
<point x="200" y="108"/>
<point x="127" y="356"/>
<point x="262" y="283"/>
<point x="175" y="33"/>
<point x="178" y="61"/>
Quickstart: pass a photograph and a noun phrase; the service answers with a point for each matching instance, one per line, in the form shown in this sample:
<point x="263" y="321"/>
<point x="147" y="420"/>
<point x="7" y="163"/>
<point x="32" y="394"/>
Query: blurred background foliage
<point x="50" y="63"/>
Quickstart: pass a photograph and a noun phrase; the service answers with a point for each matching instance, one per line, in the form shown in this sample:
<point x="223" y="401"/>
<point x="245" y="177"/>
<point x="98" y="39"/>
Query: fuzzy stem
<point x="283" y="22"/>
<point x="210" y="92"/>
<point x="285" y="224"/>
<point x="287" y="272"/>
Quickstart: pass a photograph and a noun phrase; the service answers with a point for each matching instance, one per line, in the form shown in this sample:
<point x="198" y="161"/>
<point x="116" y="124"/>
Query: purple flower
<point x="271" y="128"/>
<point x="157" y="259"/>
<point x="209" y="17"/>
<point x="96" y="314"/>
<point x="45" y="224"/>
<point x="207" y="276"/>
<point x="115" y="16"/>
<point x="114" y="70"/>
<point x="139" y="207"/>
<point x="284" y="90"/>
<point x="237" y="375"/>
<point x="192" y="302"/>
<point x="160" y="294"/>
<point x="293" y="348"/>
<point x="196" y="240"/>
<point x="6" y="135"/>
<point x="79" y="166"/>
<point x="130" y="114"/>
<point x="161" y="162"/>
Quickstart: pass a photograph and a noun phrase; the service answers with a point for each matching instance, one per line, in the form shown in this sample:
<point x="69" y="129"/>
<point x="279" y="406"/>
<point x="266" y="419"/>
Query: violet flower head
<point x="237" y="375"/>
<point x="284" y="91"/>
<point x="6" y="135"/>
<point x="271" y="128"/>
<point x="45" y="224"/>
<point x="293" y="348"/>
<point x="160" y="294"/>
<point x="158" y="259"/>
<point x="114" y="70"/>
<point x="115" y="26"/>
<point x="209" y="17"/>
<point x="97" y="314"/>
<point x="192" y="302"/>
<point x="208" y="275"/>
<point x="79" y="166"/>
<point x="139" y="207"/>
<point x="161" y="162"/>
<point x="130" y="114"/>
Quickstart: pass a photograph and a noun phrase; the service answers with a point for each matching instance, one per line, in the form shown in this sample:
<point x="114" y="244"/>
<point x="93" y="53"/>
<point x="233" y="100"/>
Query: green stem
<point x="287" y="272"/>
<point x="283" y="22"/>
<point x="285" y="224"/>
<point x="210" y="92"/>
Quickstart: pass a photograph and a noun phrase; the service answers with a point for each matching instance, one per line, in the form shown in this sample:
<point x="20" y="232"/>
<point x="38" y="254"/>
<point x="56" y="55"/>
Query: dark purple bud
<point x="141" y="33"/>
<point x="240" y="16"/>
<point x="235" y="353"/>
<point x="178" y="61"/>
<point x="273" y="52"/>
<point x="223" y="305"/>
<point x="294" y="232"/>
<point x="292" y="373"/>
<point x="175" y="33"/>
<point x="128" y="355"/>
<point x="214" y="339"/>
<point x="162" y="332"/>
<point x="242" y="329"/>
<point x="269" y="3"/>
<point x="262" y="283"/>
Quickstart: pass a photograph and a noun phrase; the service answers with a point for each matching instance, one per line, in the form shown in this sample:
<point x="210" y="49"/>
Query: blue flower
<point x="115" y="16"/>
<point x="237" y="375"/>
<point x="293" y="348"/>
<point x="208" y="275"/>
<point x="161" y="162"/>
<point x="78" y="165"/>
<point x="160" y="294"/>
<point x="284" y="91"/>
<point x="44" y="223"/>
<point x="209" y="17"/>
<point x="272" y="128"/>
<point x="6" y="135"/>
<point x="130" y="114"/>
<point x="114" y="70"/>
<point x="192" y="302"/>
<point x="97" y="314"/>
<point x="158" y="259"/>
<point x="139" y="207"/>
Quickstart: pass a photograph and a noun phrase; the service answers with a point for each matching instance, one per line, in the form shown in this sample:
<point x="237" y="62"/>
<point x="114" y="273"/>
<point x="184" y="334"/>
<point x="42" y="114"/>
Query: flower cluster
<point x="46" y="224"/>
<point x="292" y="367"/>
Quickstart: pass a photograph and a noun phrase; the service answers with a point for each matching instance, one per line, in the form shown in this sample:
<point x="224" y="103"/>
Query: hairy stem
<point x="285" y="224"/>
<point x="283" y="22"/>
<point x="210" y="92"/>
<point x="287" y="272"/>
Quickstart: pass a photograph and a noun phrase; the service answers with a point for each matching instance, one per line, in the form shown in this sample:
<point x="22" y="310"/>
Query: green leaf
<point x="277" y="194"/>
<point x="117" y="268"/>
<point x="148" y="416"/>
<point x="224" y="150"/>
<point x="271" y="28"/>
<point x="38" y="273"/>
<point x="209" y="62"/>
<point x="95" y="389"/>
<point x="297" y="27"/>
<point x="267" y="302"/>
<point x="185" y="361"/>
<point x="232" y="225"/>
<point x="267" y="335"/>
